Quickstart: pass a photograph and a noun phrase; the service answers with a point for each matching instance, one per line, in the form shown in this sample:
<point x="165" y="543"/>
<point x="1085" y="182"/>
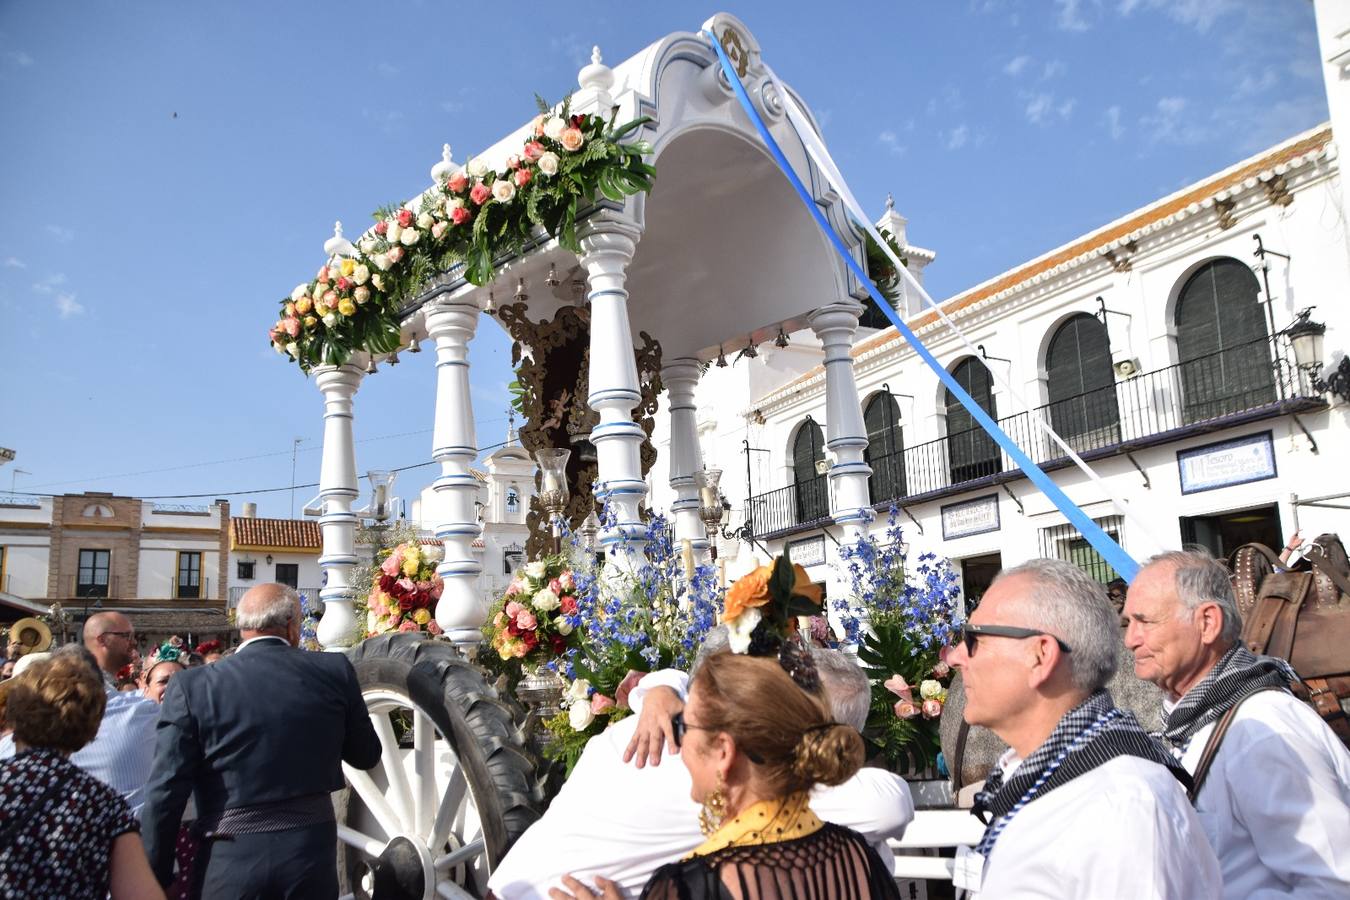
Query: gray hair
<point x="715" y="641"/>
<point x="1200" y="578"/>
<point x="1067" y="603"/>
<point x="272" y="611"/>
<point x="846" y="686"/>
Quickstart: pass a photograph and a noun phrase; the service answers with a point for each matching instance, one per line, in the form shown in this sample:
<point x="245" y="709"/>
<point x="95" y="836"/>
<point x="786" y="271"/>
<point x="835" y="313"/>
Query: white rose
<point x="378" y="280"/>
<point x="425" y="221"/>
<point x="553" y="127"/>
<point x="503" y="191"/>
<point x="367" y="245"/>
<point x="580" y="716"/>
<point x="292" y="349"/>
<point x="361" y="274"/>
<point x="739" y="628"/>
<point x="536" y="569"/>
<point x="548" y="163"/>
<point x="476" y="167"/>
<point x="409" y="237"/>
<point x="301" y="291"/>
<point x="564" y="627"/>
<point x="545" y="600"/>
<point x="330" y="319"/>
<point x="381" y="262"/>
<point x="579" y="690"/>
<point x="930" y="689"/>
<point x="394" y="231"/>
<point x="277" y="347"/>
<point x="453" y="203"/>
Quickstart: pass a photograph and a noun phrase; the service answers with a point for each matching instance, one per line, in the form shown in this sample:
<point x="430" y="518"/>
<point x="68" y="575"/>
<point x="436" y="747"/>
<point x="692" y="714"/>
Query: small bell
<point x="721" y="358"/>
<point x="370" y="366"/>
<point x="393" y="359"/>
<point x="750" y="352"/>
<point x="415" y="346"/>
<point x="521" y="296"/>
<point x="491" y="306"/>
<point x="552" y="279"/>
<point x="781" y="340"/>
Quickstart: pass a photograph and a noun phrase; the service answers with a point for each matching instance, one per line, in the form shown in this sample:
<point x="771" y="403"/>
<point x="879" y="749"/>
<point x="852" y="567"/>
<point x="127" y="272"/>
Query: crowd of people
<point x="762" y="792"/>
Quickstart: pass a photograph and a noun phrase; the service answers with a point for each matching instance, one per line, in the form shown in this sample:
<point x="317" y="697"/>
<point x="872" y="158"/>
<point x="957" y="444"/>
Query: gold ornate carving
<point x="735" y="47"/>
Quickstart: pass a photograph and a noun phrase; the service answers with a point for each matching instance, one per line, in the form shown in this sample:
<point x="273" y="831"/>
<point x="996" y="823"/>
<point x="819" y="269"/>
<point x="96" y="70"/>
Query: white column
<point x="337" y="491"/>
<point x="680" y="376"/>
<point x="846" y="436"/>
<point x="462" y="608"/>
<point x="607" y="249"/>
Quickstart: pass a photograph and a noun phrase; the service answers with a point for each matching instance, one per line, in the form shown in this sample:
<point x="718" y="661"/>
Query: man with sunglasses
<point x="1275" y="801"/>
<point x="1084" y="803"/>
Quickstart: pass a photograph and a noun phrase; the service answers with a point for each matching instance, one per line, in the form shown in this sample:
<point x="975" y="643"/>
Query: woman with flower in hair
<point x="164" y="662"/>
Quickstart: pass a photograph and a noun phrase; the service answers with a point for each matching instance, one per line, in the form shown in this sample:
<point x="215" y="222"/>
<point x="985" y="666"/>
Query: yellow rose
<point x="346" y="307"/>
<point x="410" y="566"/>
<point x="348" y="267"/>
<point x="422" y="616"/>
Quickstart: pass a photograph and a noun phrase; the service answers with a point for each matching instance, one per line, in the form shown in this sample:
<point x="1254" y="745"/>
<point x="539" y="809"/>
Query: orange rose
<point x="749" y="591"/>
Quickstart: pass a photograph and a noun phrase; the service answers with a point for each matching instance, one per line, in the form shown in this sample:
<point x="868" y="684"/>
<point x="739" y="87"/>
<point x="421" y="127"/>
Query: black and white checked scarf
<point x="1121" y="736"/>
<point x="1237" y="674"/>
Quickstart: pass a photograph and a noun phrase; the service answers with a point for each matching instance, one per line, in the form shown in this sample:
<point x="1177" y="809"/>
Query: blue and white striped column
<point x="680" y="377"/>
<point x="462" y="609"/>
<point x="607" y="249"/>
<point x="845" y="433"/>
<point x="337" y="492"/>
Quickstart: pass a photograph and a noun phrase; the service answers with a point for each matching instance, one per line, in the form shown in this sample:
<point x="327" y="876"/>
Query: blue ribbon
<point x="1102" y="542"/>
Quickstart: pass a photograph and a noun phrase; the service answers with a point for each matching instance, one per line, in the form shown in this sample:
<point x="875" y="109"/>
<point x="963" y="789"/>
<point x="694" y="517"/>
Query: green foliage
<point x="879" y="266"/>
<point x="907" y="744"/>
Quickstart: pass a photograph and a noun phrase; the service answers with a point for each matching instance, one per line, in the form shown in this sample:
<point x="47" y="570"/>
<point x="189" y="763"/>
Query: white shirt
<point x="1123" y="830"/>
<point x="616" y="820"/>
<point x="1276" y="802"/>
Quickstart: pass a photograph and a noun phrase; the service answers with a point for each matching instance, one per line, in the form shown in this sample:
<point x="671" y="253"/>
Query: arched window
<point x="809" y="488"/>
<point x="973" y="453"/>
<point x="1222" y="342"/>
<point x="885" y="448"/>
<point x="1082" y="385"/>
<point x="512" y="499"/>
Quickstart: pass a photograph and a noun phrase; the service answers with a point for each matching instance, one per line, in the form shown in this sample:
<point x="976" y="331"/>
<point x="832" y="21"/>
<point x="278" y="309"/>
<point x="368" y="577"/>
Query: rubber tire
<point x="466" y="710"/>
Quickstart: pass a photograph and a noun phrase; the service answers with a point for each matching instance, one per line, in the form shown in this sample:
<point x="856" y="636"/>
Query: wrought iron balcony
<point x="1245" y="383"/>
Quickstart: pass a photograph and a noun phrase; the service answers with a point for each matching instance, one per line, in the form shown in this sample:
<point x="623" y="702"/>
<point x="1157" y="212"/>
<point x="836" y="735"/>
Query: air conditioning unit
<point x="1127" y="368"/>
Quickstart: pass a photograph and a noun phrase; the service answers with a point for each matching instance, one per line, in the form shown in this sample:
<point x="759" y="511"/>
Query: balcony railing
<point x="1243" y="383"/>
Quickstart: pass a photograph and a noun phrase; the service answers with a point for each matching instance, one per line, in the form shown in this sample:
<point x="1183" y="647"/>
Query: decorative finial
<point x="442" y="169"/>
<point x="597" y="76"/>
<point x="890" y="202"/>
<point x="595" y="55"/>
<point x="337" y="245"/>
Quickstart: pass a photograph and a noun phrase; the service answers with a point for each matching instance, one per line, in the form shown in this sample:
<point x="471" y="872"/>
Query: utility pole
<point x="295" y="447"/>
<point x="13" y="476"/>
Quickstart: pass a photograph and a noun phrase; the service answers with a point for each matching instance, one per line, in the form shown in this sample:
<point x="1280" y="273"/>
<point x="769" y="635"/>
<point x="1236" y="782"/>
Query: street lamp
<point x="710" y="505"/>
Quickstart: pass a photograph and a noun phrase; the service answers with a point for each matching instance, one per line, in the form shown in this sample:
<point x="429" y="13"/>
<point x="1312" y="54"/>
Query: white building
<point x="1153" y="345"/>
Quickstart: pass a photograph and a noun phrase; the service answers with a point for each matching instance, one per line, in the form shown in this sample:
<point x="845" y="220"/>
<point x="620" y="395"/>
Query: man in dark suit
<point x="260" y="738"/>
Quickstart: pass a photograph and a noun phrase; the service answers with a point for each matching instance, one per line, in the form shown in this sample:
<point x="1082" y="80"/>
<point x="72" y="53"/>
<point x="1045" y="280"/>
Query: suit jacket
<point x="269" y="723"/>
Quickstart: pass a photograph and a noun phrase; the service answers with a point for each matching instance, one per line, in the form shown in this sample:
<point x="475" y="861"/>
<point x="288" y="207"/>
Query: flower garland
<point x="533" y="620"/>
<point x="472" y="216"/>
<point x="404" y="594"/>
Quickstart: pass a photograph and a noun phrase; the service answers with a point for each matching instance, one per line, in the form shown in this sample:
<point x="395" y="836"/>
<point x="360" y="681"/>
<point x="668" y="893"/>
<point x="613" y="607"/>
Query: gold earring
<point x="714" y="808"/>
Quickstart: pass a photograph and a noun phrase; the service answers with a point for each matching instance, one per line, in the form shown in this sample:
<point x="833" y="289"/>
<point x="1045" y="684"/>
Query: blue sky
<point x="170" y="170"/>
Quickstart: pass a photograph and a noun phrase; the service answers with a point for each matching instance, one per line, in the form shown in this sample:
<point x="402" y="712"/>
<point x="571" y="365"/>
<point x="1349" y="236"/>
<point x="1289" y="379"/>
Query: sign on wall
<point x="970" y="517"/>
<point x="1239" y="461"/>
<point x="808" y="551"/>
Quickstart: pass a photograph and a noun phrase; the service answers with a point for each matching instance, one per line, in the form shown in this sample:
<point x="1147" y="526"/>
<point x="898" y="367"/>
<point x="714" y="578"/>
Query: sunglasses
<point x="971" y="634"/>
<point x="678" y="727"/>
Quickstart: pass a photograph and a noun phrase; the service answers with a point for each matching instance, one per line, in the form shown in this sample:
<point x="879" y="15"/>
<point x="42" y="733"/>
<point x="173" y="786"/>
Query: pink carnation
<point x="906" y="710"/>
<point x="407" y="584"/>
<point x="513" y="609"/>
<point x="932" y="709"/>
<point x="600" y="703"/>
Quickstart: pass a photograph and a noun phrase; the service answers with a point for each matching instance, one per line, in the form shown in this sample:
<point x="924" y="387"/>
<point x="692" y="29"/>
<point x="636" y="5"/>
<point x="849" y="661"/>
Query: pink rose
<point x="566" y="581"/>
<point x="523" y="177"/>
<point x="555" y="586"/>
<point x="460" y="215"/>
<point x="433" y="627"/>
<point x="330" y="298"/>
<point x="906" y="710"/>
<point x="600" y="703"/>
<point x="480" y="193"/>
<point x="533" y="150"/>
<point x="438" y="229"/>
<point x="292" y="327"/>
<point x="381" y="228"/>
<point x="395" y="254"/>
<point x="513" y="162"/>
<point x="514" y="587"/>
<point x="343" y="284"/>
<point x="407" y="584"/>
<point x="897" y="686"/>
<point x="408" y="625"/>
<point x="513" y="609"/>
<point x="323" y="275"/>
<point x="942" y="670"/>
<point x="394" y="564"/>
<point x="457" y="182"/>
<point x="932" y="709"/>
<point x="405" y="217"/>
<point x="571" y="139"/>
<point x="626" y="686"/>
<point x="526" y="620"/>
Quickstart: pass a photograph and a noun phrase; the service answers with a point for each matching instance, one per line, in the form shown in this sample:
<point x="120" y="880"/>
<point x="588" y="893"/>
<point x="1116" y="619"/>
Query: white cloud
<point x="61" y="233"/>
<point x="1038" y="107"/>
<point x="13" y="262"/>
<point x="958" y="138"/>
<point x="1171" y="106"/>
<point x="66" y="306"/>
<point x="1043" y="106"/>
<point x="1167" y="124"/>
<point x="386" y="69"/>
<point x="1198" y="14"/>
<point x="18" y="58"/>
<point x="1053" y="69"/>
<point x="49" y="284"/>
<point x="1017" y="65"/>
<point x="1113" y="123"/>
<point x="571" y="47"/>
<point x="889" y="140"/>
<point x="1250" y="84"/>
<point x="451" y="106"/>
<point x="1070" y="17"/>
<point x="1065" y="109"/>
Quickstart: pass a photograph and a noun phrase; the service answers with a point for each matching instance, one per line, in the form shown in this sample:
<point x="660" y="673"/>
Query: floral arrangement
<point x="309" y="625"/>
<point x="762" y="607"/>
<point x="403" y="594"/>
<point x="472" y="216"/>
<point x="206" y="647"/>
<point x="531" y="622"/>
<point x="902" y="619"/>
<point x="174" y="650"/>
<point x="648" y="612"/>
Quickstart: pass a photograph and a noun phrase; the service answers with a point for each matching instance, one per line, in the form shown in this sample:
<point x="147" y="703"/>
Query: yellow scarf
<point x="765" y="822"/>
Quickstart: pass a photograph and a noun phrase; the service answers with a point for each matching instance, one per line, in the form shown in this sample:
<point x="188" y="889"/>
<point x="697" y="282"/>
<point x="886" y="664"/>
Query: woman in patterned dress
<point x="63" y="833"/>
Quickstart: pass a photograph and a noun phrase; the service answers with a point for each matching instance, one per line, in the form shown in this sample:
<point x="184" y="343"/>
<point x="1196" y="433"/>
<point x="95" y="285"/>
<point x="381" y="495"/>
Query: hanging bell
<point x="721" y="358"/>
<point x="781" y="340"/>
<point x="415" y="346"/>
<point x="552" y="279"/>
<point x="750" y="352"/>
<point x="393" y="359"/>
<point x="521" y="296"/>
<point x="370" y="366"/>
<point x="491" y="306"/>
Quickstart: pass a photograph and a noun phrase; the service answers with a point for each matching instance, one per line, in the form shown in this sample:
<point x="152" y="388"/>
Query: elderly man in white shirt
<point x="1084" y="803"/>
<point x="624" y="822"/>
<point x="1276" y="800"/>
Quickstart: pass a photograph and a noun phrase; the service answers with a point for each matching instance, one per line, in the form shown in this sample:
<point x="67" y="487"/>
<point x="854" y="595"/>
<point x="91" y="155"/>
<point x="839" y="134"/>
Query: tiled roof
<point x="263" y="534"/>
<point x="1163" y="212"/>
<point x="479" y="474"/>
<point x="195" y="621"/>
